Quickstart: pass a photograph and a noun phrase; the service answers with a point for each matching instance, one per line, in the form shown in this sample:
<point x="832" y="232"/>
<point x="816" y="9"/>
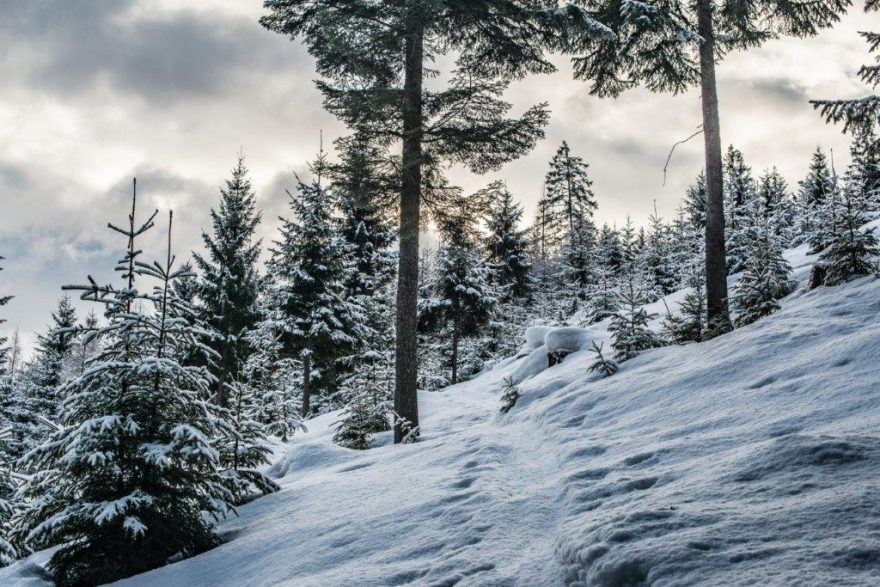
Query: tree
<point x="777" y="204"/>
<point x="676" y="45"/>
<point x="130" y="478"/>
<point x="4" y="350"/>
<point x="241" y="444"/>
<point x="695" y="202"/>
<point x="568" y="192"/>
<point x="766" y="276"/>
<point x="506" y="245"/>
<point x="629" y="327"/>
<point x="851" y="250"/>
<point x="816" y="191"/>
<point x="655" y="260"/>
<point x="229" y="283"/>
<point x="372" y="57"/>
<point x="864" y="168"/>
<point x="510" y="394"/>
<point x="602" y="366"/>
<point x="740" y="190"/>
<point x="464" y="298"/>
<point x="859" y="116"/>
<point x="309" y="268"/>
<point x="51" y="363"/>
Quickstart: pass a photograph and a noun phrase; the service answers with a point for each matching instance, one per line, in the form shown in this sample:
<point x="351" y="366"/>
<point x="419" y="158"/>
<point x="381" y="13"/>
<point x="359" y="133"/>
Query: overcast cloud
<point x="96" y="92"/>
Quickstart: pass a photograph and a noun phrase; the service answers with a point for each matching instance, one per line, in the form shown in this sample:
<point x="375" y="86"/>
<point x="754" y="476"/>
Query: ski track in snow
<point x="749" y="459"/>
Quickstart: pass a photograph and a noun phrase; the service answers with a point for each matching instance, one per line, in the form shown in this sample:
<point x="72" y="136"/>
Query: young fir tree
<point x="816" y="193"/>
<point x="309" y="268"/>
<point x="228" y="283"/>
<point x="766" y="276"/>
<point x="130" y="479"/>
<point x="276" y="378"/>
<point x="463" y="296"/>
<point x="604" y="301"/>
<point x="8" y="553"/>
<point x="4" y="350"/>
<point x="690" y="323"/>
<point x="510" y="394"/>
<point x="611" y="254"/>
<point x="656" y="260"/>
<point x="863" y="173"/>
<point x="629" y="329"/>
<point x="372" y="58"/>
<point x="740" y="191"/>
<point x="602" y="366"/>
<point x="777" y="204"/>
<point x="240" y="441"/>
<point x="676" y="45"/>
<point x="695" y="203"/>
<point x="568" y="192"/>
<point x="851" y="250"/>
<point x="506" y="245"/>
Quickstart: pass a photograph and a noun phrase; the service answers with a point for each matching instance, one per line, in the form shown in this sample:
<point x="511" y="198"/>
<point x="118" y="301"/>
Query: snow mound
<point x="535" y="336"/>
<point x="567" y="339"/>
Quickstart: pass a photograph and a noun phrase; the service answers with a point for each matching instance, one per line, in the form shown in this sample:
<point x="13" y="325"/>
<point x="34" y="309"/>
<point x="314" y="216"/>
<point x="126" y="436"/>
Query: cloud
<point x="159" y="56"/>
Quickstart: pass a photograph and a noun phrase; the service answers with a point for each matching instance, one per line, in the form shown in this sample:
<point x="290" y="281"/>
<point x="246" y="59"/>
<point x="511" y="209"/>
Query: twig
<point x="672" y="150"/>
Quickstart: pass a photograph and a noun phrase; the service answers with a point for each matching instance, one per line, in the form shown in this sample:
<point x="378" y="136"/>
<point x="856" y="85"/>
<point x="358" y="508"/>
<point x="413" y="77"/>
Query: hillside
<point x="749" y="459"/>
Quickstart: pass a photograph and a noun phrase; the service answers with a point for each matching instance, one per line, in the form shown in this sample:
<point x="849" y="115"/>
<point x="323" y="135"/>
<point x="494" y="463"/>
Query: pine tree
<point x="464" y="298"/>
<point x="656" y="261"/>
<point x="568" y="192"/>
<point x="372" y="56"/>
<point x="777" y="204"/>
<point x="740" y="191"/>
<point x="309" y="268"/>
<point x="859" y="116"/>
<point x="605" y="367"/>
<point x="766" y="277"/>
<point x="130" y="475"/>
<point x="611" y="254"/>
<point x="816" y="193"/>
<point x="4" y="350"/>
<point x="510" y="394"/>
<point x="851" y="250"/>
<point x="603" y="300"/>
<point x="674" y="46"/>
<point x="506" y="244"/>
<point x="629" y="327"/>
<point x="229" y="283"/>
<point x="695" y="203"/>
<point x="690" y="323"/>
<point x="240" y="441"/>
<point x="864" y="170"/>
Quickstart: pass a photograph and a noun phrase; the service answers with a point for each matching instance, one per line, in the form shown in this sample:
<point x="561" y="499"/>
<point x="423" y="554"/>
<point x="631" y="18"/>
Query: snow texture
<point x="748" y="459"/>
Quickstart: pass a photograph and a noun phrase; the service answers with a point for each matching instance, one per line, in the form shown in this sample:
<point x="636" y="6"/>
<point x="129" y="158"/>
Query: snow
<point x="748" y="459"/>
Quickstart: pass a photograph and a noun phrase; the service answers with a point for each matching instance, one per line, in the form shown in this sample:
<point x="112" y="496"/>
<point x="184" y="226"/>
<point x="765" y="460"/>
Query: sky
<point x="96" y="92"/>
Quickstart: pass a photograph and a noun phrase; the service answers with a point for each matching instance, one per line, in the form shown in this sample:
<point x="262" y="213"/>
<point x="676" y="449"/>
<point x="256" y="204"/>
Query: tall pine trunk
<point x="406" y="366"/>
<point x="307" y="385"/>
<point x="716" y="254"/>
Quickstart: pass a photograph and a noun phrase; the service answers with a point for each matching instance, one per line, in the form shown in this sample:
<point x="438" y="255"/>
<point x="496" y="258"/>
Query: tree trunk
<point x="406" y="365"/>
<point x="716" y="255"/>
<point x="454" y="354"/>
<point x="307" y="385"/>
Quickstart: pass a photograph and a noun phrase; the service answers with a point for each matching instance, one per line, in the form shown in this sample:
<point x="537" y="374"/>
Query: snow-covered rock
<point x="535" y="336"/>
<point x="567" y="339"/>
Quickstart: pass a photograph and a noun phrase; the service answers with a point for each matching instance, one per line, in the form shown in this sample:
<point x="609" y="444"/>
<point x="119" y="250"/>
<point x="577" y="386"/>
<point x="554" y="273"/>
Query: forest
<point x="135" y="429"/>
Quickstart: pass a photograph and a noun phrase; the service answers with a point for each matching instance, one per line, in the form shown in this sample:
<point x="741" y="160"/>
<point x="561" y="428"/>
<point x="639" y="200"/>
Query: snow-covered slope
<point x="749" y="459"/>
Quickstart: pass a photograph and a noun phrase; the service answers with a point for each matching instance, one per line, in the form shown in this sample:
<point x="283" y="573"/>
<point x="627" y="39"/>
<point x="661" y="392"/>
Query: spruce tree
<point x="506" y="245"/>
<point x="863" y="173"/>
<point x="777" y="204"/>
<point x="228" y="280"/>
<point x="816" y="192"/>
<point x="656" y="260"/>
<point x="240" y="441"/>
<point x="568" y="192"/>
<point x="309" y="268"/>
<point x="510" y="394"/>
<point x="740" y="191"/>
<point x="852" y="250"/>
<point x="859" y="116"/>
<point x="602" y="366"/>
<point x="673" y="46"/>
<point x="695" y="203"/>
<point x="372" y="58"/>
<point x="464" y="298"/>
<point x="629" y="329"/>
<point x="611" y="254"/>
<point x="130" y="478"/>
<point x="766" y="276"/>
<point x="4" y="350"/>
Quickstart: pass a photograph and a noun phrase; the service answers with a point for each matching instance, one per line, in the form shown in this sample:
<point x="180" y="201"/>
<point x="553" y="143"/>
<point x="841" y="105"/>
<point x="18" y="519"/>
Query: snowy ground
<point x="749" y="459"/>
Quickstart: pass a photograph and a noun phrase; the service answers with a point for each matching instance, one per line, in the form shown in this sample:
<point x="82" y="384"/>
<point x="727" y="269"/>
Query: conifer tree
<point x="676" y="45"/>
<point x="602" y="366"/>
<point x="240" y="441"/>
<point x="740" y="191"/>
<point x="129" y="476"/>
<point x="766" y="276"/>
<point x="8" y="552"/>
<point x="816" y="192"/>
<point x="611" y="254"/>
<point x="859" y="116"/>
<point x="4" y="350"/>
<point x="656" y="260"/>
<point x="510" y="394"/>
<point x="464" y="298"/>
<point x="51" y="363"/>
<point x="864" y="169"/>
<point x="603" y="300"/>
<point x="629" y="329"/>
<point x="372" y="58"/>
<point x="851" y="250"/>
<point x="309" y="268"/>
<point x="506" y="244"/>
<point x="228" y="282"/>
<point x="777" y="204"/>
<point x="568" y="192"/>
<point x="695" y="202"/>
